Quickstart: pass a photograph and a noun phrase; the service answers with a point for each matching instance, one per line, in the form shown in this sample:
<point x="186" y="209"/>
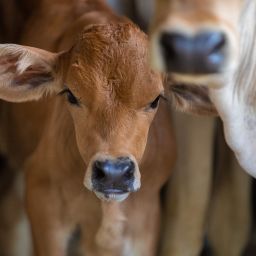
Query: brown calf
<point x="96" y="130"/>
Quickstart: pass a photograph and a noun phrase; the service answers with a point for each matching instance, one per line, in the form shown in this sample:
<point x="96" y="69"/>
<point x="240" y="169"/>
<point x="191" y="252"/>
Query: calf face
<point x="196" y="40"/>
<point x="111" y="93"/>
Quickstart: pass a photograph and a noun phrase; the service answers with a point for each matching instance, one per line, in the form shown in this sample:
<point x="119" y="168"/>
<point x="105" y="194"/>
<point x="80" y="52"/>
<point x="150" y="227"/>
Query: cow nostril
<point x="216" y="42"/>
<point x="129" y="171"/>
<point x="129" y="174"/>
<point x="216" y="55"/>
<point x="98" y="173"/>
<point x="169" y="44"/>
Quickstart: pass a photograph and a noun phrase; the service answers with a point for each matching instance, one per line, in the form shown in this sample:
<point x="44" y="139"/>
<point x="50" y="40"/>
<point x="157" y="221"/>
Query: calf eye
<point x="154" y="104"/>
<point x="70" y="97"/>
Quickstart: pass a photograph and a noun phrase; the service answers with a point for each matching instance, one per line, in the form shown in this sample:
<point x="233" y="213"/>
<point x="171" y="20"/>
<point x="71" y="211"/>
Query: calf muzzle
<point x="113" y="175"/>
<point x="113" y="178"/>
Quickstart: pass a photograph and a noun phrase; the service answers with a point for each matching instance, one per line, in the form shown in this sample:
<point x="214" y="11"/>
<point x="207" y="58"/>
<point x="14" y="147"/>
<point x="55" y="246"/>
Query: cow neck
<point x="236" y="101"/>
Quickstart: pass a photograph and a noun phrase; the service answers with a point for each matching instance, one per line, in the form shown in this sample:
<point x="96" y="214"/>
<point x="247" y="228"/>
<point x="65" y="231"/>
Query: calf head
<point x="111" y="93"/>
<point x="196" y="40"/>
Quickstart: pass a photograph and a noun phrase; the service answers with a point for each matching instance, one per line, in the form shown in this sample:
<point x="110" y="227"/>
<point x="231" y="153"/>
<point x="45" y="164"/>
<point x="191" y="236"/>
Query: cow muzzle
<point x="112" y="179"/>
<point x="204" y="53"/>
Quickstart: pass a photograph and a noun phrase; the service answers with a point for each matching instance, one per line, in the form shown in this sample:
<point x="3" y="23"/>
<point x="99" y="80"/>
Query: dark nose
<point x="113" y="175"/>
<point x="203" y="53"/>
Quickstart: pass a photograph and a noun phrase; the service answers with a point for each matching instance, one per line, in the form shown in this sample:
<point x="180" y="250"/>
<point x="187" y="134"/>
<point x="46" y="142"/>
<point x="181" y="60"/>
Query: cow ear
<point x="190" y="98"/>
<point x="27" y="73"/>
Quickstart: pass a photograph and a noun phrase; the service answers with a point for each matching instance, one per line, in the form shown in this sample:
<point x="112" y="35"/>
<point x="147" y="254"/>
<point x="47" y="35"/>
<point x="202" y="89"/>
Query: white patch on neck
<point x="111" y="232"/>
<point x="23" y="240"/>
<point x="134" y="247"/>
<point x="128" y="248"/>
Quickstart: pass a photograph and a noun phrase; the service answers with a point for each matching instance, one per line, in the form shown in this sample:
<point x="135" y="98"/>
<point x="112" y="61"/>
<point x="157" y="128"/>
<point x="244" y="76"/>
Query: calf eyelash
<point x="70" y="96"/>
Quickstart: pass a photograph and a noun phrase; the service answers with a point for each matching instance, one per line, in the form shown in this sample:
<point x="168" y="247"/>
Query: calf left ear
<point x="192" y="99"/>
<point x="27" y="73"/>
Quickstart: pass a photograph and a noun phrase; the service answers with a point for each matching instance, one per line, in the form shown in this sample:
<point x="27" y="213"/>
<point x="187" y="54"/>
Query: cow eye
<point x="70" y="97"/>
<point x="154" y="104"/>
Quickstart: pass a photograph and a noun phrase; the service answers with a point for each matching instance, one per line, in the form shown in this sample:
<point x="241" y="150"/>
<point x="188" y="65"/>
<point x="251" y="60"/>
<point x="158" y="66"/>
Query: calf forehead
<point x="112" y="59"/>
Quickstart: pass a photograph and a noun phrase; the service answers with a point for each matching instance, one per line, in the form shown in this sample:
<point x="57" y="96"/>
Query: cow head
<point x="197" y="40"/>
<point x="111" y="93"/>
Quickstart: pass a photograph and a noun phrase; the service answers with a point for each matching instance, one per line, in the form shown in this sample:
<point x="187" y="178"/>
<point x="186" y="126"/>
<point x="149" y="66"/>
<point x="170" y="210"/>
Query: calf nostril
<point x="129" y="174"/>
<point x="129" y="170"/>
<point x="98" y="171"/>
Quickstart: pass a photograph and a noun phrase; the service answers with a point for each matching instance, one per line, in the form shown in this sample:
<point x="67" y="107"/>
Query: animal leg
<point x="189" y="188"/>
<point x="14" y="232"/>
<point x="50" y="238"/>
<point x="230" y="212"/>
<point x="146" y="228"/>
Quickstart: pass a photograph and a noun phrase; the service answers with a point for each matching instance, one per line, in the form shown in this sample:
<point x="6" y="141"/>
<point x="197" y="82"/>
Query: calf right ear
<point x="188" y="98"/>
<point x="26" y="73"/>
